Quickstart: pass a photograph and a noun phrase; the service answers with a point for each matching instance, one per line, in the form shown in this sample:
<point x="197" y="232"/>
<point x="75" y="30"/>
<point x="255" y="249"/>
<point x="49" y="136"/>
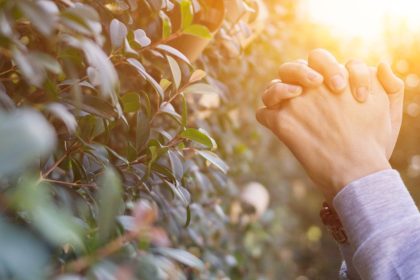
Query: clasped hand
<point x="341" y="123"/>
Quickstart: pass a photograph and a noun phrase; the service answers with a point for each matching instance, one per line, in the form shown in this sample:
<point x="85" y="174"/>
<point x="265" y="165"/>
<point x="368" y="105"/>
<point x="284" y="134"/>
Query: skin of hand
<point x="336" y="138"/>
<point x="324" y="67"/>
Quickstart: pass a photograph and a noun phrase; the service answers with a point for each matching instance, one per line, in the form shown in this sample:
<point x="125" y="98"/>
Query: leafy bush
<point x="127" y="164"/>
<point x="122" y="159"/>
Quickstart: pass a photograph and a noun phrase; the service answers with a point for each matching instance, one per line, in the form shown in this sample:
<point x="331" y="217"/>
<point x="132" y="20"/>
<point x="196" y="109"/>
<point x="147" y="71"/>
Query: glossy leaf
<point x="199" y="31"/>
<point x="182" y="256"/>
<point x="186" y="14"/>
<point x="215" y="160"/>
<point x="130" y="102"/>
<point x="41" y="17"/>
<point x="110" y="202"/>
<point x="175" y="70"/>
<point x="118" y="32"/>
<point x="201" y="88"/>
<point x="199" y="136"/>
<point x="166" y="25"/>
<point x="5" y="101"/>
<point x="140" y="69"/>
<point x="172" y="51"/>
<point x="63" y="114"/>
<point x="197" y="75"/>
<point x="25" y="136"/>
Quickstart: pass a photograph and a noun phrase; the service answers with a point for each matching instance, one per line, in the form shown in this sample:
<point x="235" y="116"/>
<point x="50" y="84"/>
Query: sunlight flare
<point x="366" y="19"/>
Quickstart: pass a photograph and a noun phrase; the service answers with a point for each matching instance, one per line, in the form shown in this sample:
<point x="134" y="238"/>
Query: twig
<point x="7" y="71"/>
<point x="92" y="185"/>
<point x="112" y="247"/>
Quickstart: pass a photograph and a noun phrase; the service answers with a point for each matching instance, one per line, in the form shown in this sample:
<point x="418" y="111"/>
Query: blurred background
<point x="370" y="30"/>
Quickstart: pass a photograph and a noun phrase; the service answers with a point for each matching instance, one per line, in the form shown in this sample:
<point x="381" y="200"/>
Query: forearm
<point x="383" y="226"/>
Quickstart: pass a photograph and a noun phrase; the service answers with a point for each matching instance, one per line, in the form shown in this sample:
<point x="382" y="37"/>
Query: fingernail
<point x="338" y="82"/>
<point x="293" y="89"/>
<point x="314" y="76"/>
<point x="361" y="93"/>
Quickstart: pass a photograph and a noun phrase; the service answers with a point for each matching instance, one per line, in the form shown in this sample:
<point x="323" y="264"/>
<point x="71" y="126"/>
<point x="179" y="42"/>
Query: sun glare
<point x="364" y="19"/>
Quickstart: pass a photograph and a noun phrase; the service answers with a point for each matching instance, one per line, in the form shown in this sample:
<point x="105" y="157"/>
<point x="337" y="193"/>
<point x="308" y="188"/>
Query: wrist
<point x="357" y="170"/>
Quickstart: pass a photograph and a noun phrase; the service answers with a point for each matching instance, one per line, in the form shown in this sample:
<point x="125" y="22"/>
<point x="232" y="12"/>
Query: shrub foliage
<point x="107" y="163"/>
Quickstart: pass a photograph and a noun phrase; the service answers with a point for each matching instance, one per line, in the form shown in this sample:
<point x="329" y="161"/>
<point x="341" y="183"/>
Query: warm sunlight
<point x="364" y="18"/>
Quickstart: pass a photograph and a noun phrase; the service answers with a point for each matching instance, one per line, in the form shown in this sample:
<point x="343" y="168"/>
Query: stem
<point x="55" y="165"/>
<point x="7" y="71"/>
<point x="112" y="247"/>
<point x="44" y="176"/>
<point x="69" y="183"/>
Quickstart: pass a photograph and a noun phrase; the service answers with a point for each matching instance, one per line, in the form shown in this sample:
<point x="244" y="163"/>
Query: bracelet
<point x="331" y="220"/>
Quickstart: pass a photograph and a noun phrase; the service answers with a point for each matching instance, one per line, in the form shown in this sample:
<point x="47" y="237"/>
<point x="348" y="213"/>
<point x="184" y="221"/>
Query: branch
<point x="112" y="247"/>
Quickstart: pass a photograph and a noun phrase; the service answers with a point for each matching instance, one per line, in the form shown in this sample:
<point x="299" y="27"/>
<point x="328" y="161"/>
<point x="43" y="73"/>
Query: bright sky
<point x="364" y="18"/>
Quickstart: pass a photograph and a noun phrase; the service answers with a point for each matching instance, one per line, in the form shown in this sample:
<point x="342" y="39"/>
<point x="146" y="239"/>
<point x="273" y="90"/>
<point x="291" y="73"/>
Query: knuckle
<point x="358" y="71"/>
<point x="318" y="55"/>
<point x="273" y="94"/>
<point x="292" y="68"/>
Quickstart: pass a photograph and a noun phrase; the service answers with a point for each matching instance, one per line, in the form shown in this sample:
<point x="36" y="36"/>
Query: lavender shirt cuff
<point x="382" y="223"/>
<point x="373" y="203"/>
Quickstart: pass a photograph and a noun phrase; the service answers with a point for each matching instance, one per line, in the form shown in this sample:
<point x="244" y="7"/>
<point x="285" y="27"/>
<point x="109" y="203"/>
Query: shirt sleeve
<point x="347" y="270"/>
<point x="383" y="226"/>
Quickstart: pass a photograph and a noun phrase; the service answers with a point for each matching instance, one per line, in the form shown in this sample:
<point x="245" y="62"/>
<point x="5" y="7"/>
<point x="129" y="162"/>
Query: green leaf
<point x="83" y="19"/>
<point x="184" y="114"/>
<point x="186" y="13"/>
<point x="118" y="32"/>
<point x="142" y="130"/>
<point x="18" y="248"/>
<point x="107" y="75"/>
<point x="176" y="71"/>
<point x="199" y="31"/>
<point x="48" y="62"/>
<point x="40" y="17"/>
<point x="62" y="113"/>
<point x="215" y="160"/>
<point x="176" y="164"/>
<point x="140" y="69"/>
<point x="181" y="256"/>
<point x="25" y="136"/>
<point x="168" y="108"/>
<point x="197" y="75"/>
<point x="146" y="267"/>
<point x="201" y="88"/>
<point x="181" y="193"/>
<point x="91" y="104"/>
<point x="130" y="102"/>
<point x="32" y="71"/>
<point x="199" y="136"/>
<point x="56" y="224"/>
<point x="5" y="101"/>
<point x="174" y="52"/>
<point x="117" y="155"/>
<point x="166" y="25"/>
<point x="110" y="202"/>
<point x="140" y="37"/>
<point x="165" y="84"/>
